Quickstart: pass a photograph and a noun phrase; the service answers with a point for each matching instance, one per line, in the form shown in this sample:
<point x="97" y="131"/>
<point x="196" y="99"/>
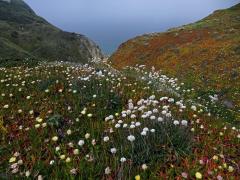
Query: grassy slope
<point x="26" y="34"/>
<point x="205" y="54"/>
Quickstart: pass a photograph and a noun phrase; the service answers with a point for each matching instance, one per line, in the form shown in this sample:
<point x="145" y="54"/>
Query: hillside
<point x="24" y="34"/>
<point x="205" y="55"/>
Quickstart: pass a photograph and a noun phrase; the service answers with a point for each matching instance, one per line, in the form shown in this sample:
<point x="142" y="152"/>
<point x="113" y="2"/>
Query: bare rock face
<point x="23" y="34"/>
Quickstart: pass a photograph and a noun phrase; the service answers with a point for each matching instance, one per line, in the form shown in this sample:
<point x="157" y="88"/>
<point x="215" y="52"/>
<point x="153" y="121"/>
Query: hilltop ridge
<point x="24" y="35"/>
<point x="205" y="54"/>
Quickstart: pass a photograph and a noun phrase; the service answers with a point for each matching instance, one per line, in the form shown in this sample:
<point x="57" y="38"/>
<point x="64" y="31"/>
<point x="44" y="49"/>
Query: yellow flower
<point x="68" y="160"/>
<point x="215" y="157"/>
<point x="55" y="138"/>
<point x="12" y="159"/>
<point x="198" y="175"/>
<point x="62" y="157"/>
<point x="137" y="177"/>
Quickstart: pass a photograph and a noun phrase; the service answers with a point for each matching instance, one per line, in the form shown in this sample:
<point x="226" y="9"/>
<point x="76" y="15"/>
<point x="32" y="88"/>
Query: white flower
<point x="133" y="116"/>
<point x="120" y="121"/>
<point x="57" y="148"/>
<point x="81" y="142"/>
<point x="194" y="108"/>
<point x="113" y="150"/>
<point x="27" y="173"/>
<point x="106" y="139"/>
<point x="93" y="142"/>
<point x="152" y="117"/>
<point x="143" y="133"/>
<point x="132" y="126"/>
<point x="184" y="122"/>
<point x="69" y="132"/>
<point x="44" y="125"/>
<point x="6" y="106"/>
<point x="117" y="125"/>
<point x="51" y="162"/>
<point x="55" y="138"/>
<point x="144" y="167"/>
<point x="107" y="170"/>
<point x="131" y="138"/>
<point x="176" y="122"/>
<point x="160" y="119"/>
<point x="89" y="115"/>
<point x="76" y="151"/>
<point x="87" y="135"/>
<point x="123" y="159"/>
<point x="68" y="160"/>
<point x="73" y="171"/>
<point x="152" y="130"/>
<point x="137" y="124"/>
<point x="125" y="125"/>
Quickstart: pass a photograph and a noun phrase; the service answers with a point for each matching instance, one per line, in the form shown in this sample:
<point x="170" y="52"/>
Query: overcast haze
<point x="111" y="22"/>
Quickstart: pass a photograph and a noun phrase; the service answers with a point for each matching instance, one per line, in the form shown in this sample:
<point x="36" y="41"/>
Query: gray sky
<point x="111" y="22"/>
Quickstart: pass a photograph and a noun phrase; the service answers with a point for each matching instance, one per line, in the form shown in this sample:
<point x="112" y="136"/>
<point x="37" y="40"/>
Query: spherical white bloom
<point x="6" y="106"/>
<point x="81" y="142"/>
<point x="169" y="115"/>
<point x="76" y="151"/>
<point x="131" y="138"/>
<point x="106" y="139"/>
<point x="27" y="173"/>
<point x="133" y="116"/>
<point x="153" y="117"/>
<point x="137" y="124"/>
<point x="89" y="115"/>
<point x="87" y="136"/>
<point x="124" y="115"/>
<point x="117" y="125"/>
<point x="152" y="130"/>
<point x="57" y="148"/>
<point x="111" y="117"/>
<point x="160" y="119"/>
<point x="123" y="159"/>
<point x="69" y="132"/>
<point x="130" y="106"/>
<point x="184" y="122"/>
<point x="132" y="126"/>
<point x="125" y="125"/>
<point x="194" y="108"/>
<point x="113" y="150"/>
<point x="107" y="170"/>
<point x="144" y="167"/>
<point x="145" y="129"/>
<point x="176" y="122"/>
<point x="144" y="116"/>
<point x="120" y="121"/>
<point x="164" y="112"/>
<point x="68" y="160"/>
<point x="155" y="110"/>
<point x="144" y="133"/>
